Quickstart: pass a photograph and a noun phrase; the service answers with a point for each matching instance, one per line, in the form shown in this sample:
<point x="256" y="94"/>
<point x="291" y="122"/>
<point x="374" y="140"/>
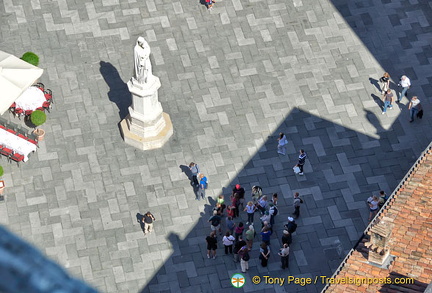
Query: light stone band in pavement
<point x="232" y="79"/>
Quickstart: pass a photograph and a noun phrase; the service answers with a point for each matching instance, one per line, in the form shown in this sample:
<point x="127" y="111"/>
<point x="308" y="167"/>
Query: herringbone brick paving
<point x="231" y="80"/>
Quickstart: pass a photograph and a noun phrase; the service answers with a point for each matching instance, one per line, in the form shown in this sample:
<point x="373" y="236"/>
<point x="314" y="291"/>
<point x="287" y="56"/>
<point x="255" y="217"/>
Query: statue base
<point x="146" y="143"/>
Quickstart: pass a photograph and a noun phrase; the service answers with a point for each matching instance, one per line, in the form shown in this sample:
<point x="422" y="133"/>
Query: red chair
<point x="27" y="113"/>
<point x="47" y="106"/>
<point x="22" y="136"/>
<point x="40" y="86"/>
<point x="5" y="151"/>
<point x="12" y="108"/>
<point x="48" y="95"/>
<point x="19" y="112"/>
<point x="41" y="109"/>
<point x="35" y="142"/>
<point x="16" y="157"/>
<point x="2" y="127"/>
<point x="11" y="131"/>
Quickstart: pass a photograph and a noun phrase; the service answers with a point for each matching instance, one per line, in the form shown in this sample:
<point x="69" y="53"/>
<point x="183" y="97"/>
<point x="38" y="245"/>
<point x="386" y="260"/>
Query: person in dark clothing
<point x="241" y="193"/>
<point x="296" y="203"/>
<point x="148" y="220"/>
<point x="211" y="245"/>
<point x="237" y="246"/>
<point x="286" y="238"/>
<point x="291" y="226"/>
<point x="301" y="161"/>
<point x="264" y="254"/>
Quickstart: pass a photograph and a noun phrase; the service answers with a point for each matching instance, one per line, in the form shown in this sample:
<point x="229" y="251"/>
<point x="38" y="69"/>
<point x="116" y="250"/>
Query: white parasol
<point x="16" y="76"/>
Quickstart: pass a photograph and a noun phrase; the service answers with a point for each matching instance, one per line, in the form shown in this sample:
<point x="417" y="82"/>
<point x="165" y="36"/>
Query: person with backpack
<point x="244" y="258"/>
<point x="382" y="199"/>
<point x="215" y="222"/>
<point x="202" y="187"/>
<point x="291" y="226"/>
<point x="273" y="211"/>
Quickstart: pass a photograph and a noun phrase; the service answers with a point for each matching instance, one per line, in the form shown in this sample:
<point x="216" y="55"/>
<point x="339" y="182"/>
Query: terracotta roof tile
<point x="409" y="210"/>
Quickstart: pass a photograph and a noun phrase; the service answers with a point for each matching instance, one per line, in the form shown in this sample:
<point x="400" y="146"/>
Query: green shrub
<point x="31" y="58"/>
<point x="38" y="117"/>
<point x="1" y="171"/>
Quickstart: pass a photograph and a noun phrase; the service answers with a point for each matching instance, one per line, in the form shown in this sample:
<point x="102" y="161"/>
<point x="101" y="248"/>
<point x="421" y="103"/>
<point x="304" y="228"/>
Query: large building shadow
<point x="343" y="168"/>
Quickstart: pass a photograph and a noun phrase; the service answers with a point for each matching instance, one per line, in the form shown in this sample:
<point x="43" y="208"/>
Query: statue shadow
<point x="119" y="92"/>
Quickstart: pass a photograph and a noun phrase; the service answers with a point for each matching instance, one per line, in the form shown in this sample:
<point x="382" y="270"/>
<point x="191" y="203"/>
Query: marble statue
<point x="143" y="70"/>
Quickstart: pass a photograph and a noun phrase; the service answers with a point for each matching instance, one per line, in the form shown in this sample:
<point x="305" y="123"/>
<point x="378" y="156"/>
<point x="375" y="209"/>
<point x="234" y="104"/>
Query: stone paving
<point x="232" y="79"/>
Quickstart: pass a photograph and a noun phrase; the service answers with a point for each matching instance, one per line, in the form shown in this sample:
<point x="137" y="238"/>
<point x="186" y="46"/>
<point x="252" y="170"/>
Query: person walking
<point x="148" y="220"/>
<point x="250" y="236"/>
<point x="284" y="254"/>
<point x="195" y="170"/>
<point x="228" y="241"/>
<point x="301" y="161"/>
<point x="202" y="186"/>
<point x="215" y="222"/>
<point x="244" y="258"/>
<point x="385" y="83"/>
<point x="296" y="203"/>
<point x="405" y="83"/>
<point x="264" y="254"/>
<point x="211" y="245"/>
<point x="250" y="210"/>
<point x="388" y="100"/>
<point x="282" y="142"/>
<point x="415" y="107"/>
<point x="209" y="4"/>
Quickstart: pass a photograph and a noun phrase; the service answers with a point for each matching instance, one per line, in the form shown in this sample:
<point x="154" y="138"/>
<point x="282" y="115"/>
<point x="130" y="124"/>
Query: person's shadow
<point x="119" y="92"/>
<point x="375" y="83"/>
<point x="378" y="101"/>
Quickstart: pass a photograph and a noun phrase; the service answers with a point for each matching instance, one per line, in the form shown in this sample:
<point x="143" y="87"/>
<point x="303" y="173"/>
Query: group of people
<point x="239" y="237"/>
<point x="414" y="105"/>
<point x="375" y="203"/>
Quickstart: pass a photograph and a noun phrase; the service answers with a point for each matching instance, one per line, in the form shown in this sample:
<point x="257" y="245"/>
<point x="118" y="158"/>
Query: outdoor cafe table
<point x="16" y="143"/>
<point x="31" y="99"/>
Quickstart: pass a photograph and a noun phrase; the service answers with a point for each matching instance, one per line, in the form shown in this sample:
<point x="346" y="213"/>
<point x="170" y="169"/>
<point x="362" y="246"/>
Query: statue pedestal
<point x="147" y="126"/>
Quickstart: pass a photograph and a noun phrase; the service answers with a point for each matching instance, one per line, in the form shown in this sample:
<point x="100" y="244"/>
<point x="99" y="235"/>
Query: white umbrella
<point x="16" y="76"/>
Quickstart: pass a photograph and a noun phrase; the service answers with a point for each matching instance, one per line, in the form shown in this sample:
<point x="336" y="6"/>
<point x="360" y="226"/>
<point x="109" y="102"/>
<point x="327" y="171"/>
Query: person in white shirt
<point x="414" y="107"/>
<point x="405" y="83"/>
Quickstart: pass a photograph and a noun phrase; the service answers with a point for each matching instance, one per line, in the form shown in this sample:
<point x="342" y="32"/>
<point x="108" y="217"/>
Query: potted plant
<point x="38" y="118"/>
<point x="31" y="58"/>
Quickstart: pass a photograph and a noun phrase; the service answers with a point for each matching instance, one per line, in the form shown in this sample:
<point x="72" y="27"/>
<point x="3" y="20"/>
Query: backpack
<point x="275" y="210"/>
<point x="215" y="222"/>
<point x="301" y="200"/>
<point x="246" y="256"/>
<point x="205" y="182"/>
<point x="139" y="217"/>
